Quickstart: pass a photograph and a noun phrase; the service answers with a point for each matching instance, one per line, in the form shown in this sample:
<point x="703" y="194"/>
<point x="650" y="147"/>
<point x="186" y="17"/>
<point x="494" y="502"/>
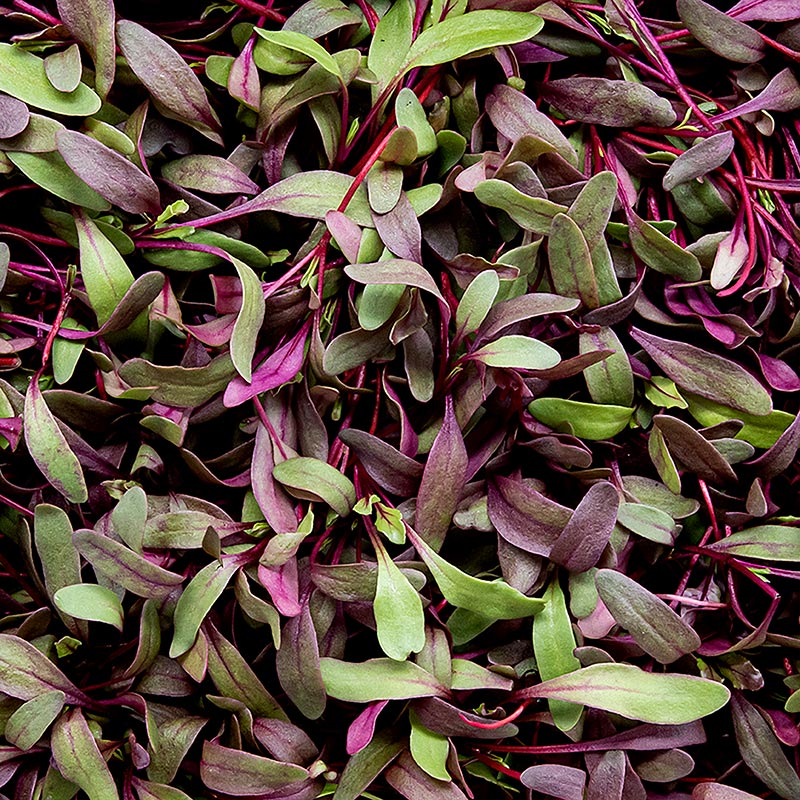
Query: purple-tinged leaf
<point x="278" y="368"/>
<point x="92" y="24"/>
<point x="662" y="698"/>
<point x="555" y="780"/>
<point x="176" y="90"/>
<point x="283" y="584"/>
<point x="64" y="68"/>
<point x="32" y="719"/>
<point x="149" y="790"/>
<point x="781" y="455"/>
<point x="764" y="10"/>
<point x="617" y="104"/>
<point x="440" y="716"/>
<point x="170" y="741"/>
<point x="234" y="677"/>
<point x="694" y="452"/>
<point x="524" y="517"/>
<point x="243" y="81"/>
<point x="707" y="374"/>
<point x="655" y="627"/>
<point x="78" y="758"/>
<point x="346" y="233"/>
<point x="196" y="601"/>
<point x="387" y="466"/>
<point x="149" y="642"/>
<point x="732" y="253"/>
<point x="763" y="542"/>
<point x="274" y="502"/>
<point x="592" y="208"/>
<point x="701" y="158"/>
<point x="284" y="741"/>
<point x="515" y="115"/>
<point x="49" y="449"/>
<point x="778" y="374"/>
<point x="312" y="479"/>
<point x="125" y="567"/>
<point x="400" y="231"/>
<point x="248" y="321"/>
<point x="362" y="728"/>
<point x="534" y="214"/>
<point x="405" y="777"/>
<point x="610" y="381"/>
<point x="408" y="273"/>
<point x="377" y="679"/>
<point x="14" y="116"/>
<point x="721" y="33"/>
<point x="782" y="93"/>
<point x="665" y="767"/>
<point x="22" y="75"/>
<point x="110" y="174"/>
<point x="518" y="352"/>
<point x="585" y="536"/>
<point x="760" y="749"/>
<point x="211" y="174"/>
<point x="607" y="778"/>
<point x="367" y="764"/>
<point x="719" y="791"/>
<point x="518" y="309"/>
<point x="442" y="480"/>
<point x="235" y="772"/>
<point x="298" y="665"/>
<point x="660" y="253"/>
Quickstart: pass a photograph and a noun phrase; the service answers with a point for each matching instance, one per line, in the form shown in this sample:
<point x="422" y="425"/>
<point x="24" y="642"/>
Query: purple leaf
<point x="782" y="93"/>
<point x="701" y="158"/>
<point x="555" y="780"/>
<point x="721" y="33"/>
<point x="243" y="80"/>
<point x="442" y="480"/>
<point x="765" y="10"/>
<point x="781" y="455"/>
<point x="282" y="584"/>
<point x="387" y="466"/>
<point x="284" y="740"/>
<point x="174" y="87"/>
<point x="92" y="24"/>
<point x="14" y="116"/>
<point x="607" y="778"/>
<point x="693" y="451"/>
<point x="362" y="728"/>
<point x="208" y="174"/>
<point x="408" y="273"/>
<point x="585" y="536"/>
<point x="400" y="231"/>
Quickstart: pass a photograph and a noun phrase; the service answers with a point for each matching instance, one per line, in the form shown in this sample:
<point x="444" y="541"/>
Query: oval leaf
<point x="90" y="602"/>
<point x="312" y="479"/>
<point x="377" y="679"/>
<point x="30" y="721"/>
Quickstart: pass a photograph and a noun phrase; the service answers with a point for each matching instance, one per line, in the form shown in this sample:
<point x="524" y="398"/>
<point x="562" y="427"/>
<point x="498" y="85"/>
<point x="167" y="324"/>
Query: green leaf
<point x="410" y="114"/>
<point x="592" y="208"/>
<point x="377" y="304"/>
<point x="49" y="449"/>
<point x="663" y="392"/>
<point x="571" y="267"/>
<point x="711" y="376"/>
<point x="609" y="381"/>
<point x="661" y="698"/>
<point x="468" y="676"/>
<point x="457" y="37"/>
<point x="90" y="602"/>
<point x="104" y="272"/>
<point x="63" y="69"/>
<point x="300" y="43"/>
<point x="662" y="254"/>
<point x="430" y="750"/>
<point x="390" y="44"/>
<point x="129" y="517"/>
<point x="763" y="542"/>
<point x="648" y="522"/>
<point x="50" y="171"/>
<point x="78" y="758"/>
<point x="30" y="721"/>
<point x="398" y="610"/>
<point x="476" y="302"/>
<point x="655" y="627"/>
<point x="377" y="679"/>
<point x="553" y="645"/>
<point x="394" y="271"/>
<point x="66" y="353"/>
<point x="534" y="214"/>
<point x="22" y="75"/>
<point x="759" y="431"/>
<point x="249" y="320"/>
<point x="586" y="420"/>
<point x="312" y="479"/>
<point x="495" y="599"/>
<point x="195" y="602"/>
<point x="518" y="352"/>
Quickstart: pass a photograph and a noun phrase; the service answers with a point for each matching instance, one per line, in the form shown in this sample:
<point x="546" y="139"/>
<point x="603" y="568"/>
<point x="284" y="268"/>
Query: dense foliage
<point x="399" y="399"/>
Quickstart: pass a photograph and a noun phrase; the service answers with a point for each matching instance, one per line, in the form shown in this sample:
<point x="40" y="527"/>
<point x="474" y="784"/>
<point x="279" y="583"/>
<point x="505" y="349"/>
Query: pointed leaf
<point x="312" y="479"/>
<point x="701" y="158"/>
<point x="248" y="321"/>
<point x="782" y="93"/>
<point x="763" y="542"/>
<point x="92" y="24"/>
<point x="662" y="254"/>
<point x="78" y="758"/>
<point x="394" y="271"/>
<point x="90" y="602"/>
<point x="211" y="174"/>
<point x="476" y="302"/>
<point x="300" y="43"/>
<point x="517" y="352"/>
<point x="662" y="698"/>
<point x="32" y="719"/>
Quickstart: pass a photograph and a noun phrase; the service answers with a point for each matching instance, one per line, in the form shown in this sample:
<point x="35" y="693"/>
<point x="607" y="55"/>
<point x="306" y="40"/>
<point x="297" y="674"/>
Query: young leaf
<point x="390" y="44"/>
<point x="49" y="448"/>
<point x="660" y="253"/>
<point x="720" y="32"/>
<point x="398" y="610"/>
<point x="476" y="302"/>
<point x="312" y="479"/>
<point x="249" y="320"/>
<point x="90" y="602"/>
<point x="763" y="542"/>
<point x="457" y="37"/>
<point x="662" y="698"/>
<point x="211" y="174"/>
<point x="300" y="43"/>
<point x="655" y="627"/>
<point x="64" y="68"/>
<point x="78" y="758"/>
<point x="587" y="420"/>
<point x="92" y="24"/>
<point x="428" y="749"/>
<point x="492" y="599"/>
<point x="410" y="114"/>
<point x="553" y="643"/>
